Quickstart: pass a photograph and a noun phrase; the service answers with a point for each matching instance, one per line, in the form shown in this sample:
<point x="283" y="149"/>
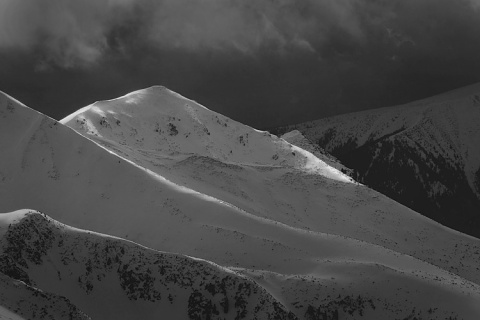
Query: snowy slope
<point x="111" y="278"/>
<point x="157" y="119"/>
<point x="20" y="301"/>
<point x="310" y="227"/>
<point x="280" y="193"/>
<point x="296" y="138"/>
<point x="424" y="154"/>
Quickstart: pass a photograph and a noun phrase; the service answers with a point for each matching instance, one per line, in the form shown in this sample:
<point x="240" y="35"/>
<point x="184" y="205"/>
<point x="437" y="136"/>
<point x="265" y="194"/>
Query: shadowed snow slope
<point x="320" y="237"/>
<point x="20" y="301"/>
<point x="110" y="278"/>
<point x="424" y="154"/>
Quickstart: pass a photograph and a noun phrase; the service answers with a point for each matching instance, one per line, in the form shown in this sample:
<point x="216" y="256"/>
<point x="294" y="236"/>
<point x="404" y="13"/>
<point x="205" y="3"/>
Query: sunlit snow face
<point x="98" y="111"/>
<point x="131" y="99"/>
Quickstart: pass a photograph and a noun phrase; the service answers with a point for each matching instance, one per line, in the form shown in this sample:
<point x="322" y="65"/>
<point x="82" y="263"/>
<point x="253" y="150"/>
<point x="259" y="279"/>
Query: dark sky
<point x="261" y="62"/>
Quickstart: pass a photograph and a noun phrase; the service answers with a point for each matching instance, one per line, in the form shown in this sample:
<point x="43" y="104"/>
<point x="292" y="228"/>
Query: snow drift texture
<point x="160" y="170"/>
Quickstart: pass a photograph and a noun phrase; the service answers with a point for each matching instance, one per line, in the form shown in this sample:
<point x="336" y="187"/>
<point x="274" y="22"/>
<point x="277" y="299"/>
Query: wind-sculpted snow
<point x="312" y="297"/>
<point x="260" y="217"/>
<point x="424" y="154"/>
<point x="291" y="195"/>
<point x="111" y="278"/>
<point x="157" y="119"/>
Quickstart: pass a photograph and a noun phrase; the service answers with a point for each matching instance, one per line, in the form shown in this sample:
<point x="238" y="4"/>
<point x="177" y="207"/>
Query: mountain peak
<point x="155" y="88"/>
<point x="151" y="94"/>
<point x="143" y="102"/>
<point x="164" y="122"/>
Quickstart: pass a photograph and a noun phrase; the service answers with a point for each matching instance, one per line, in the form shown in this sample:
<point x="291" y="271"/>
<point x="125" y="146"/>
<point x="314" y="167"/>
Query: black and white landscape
<point x="425" y="154"/>
<point x="152" y="206"/>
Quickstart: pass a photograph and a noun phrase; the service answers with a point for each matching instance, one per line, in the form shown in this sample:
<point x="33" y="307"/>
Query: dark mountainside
<point x="93" y="271"/>
<point x="424" y="155"/>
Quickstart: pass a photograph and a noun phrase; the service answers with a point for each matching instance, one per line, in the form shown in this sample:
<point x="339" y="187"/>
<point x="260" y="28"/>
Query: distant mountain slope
<point x="425" y="154"/>
<point x="317" y="231"/>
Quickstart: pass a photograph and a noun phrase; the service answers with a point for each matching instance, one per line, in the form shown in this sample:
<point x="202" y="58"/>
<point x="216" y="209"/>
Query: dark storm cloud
<point x="250" y="24"/>
<point x="62" y="32"/>
<point x="249" y="59"/>
<point x="70" y="32"/>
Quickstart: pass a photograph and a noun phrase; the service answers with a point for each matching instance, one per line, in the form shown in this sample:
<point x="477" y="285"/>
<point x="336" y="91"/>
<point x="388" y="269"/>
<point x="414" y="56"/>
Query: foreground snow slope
<point x="355" y="233"/>
<point x="424" y="154"/>
<point x="110" y="278"/>
<point x="21" y="301"/>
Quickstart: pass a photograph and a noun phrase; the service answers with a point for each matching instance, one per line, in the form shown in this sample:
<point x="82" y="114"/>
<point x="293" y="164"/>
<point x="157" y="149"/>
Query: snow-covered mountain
<point x="319" y="243"/>
<point x="425" y="154"/>
<point x="155" y="122"/>
<point x="110" y="278"/>
<point x="53" y="270"/>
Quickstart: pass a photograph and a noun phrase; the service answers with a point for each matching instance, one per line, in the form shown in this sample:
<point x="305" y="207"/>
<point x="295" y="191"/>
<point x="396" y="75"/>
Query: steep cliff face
<point x="110" y="278"/>
<point x="425" y="154"/>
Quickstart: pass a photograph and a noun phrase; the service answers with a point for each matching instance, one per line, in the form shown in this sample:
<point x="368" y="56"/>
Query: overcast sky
<point x="261" y="62"/>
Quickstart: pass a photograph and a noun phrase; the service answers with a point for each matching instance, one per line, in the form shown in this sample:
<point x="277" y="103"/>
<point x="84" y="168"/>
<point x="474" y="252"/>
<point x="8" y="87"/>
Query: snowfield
<point x="157" y="119"/>
<point x="176" y="180"/>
